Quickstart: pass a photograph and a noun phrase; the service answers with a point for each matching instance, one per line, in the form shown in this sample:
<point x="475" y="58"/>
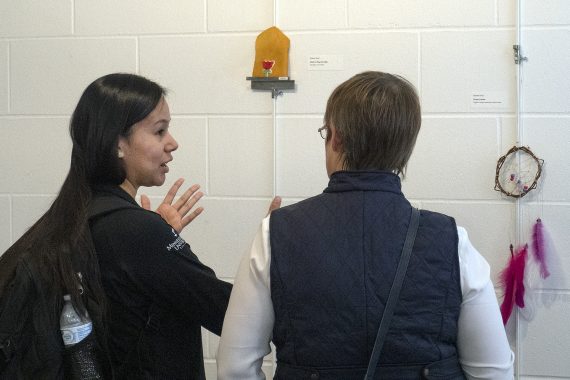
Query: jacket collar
<point x="100" y="190"/>
<point x="364" y="180"/>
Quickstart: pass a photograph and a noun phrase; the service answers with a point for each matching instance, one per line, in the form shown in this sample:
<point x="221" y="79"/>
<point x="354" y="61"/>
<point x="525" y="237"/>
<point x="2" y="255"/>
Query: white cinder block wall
<point x="230" y="143"/>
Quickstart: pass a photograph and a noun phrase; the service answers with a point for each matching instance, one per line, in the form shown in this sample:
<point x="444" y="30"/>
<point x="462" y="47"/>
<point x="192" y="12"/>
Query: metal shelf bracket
<point x="275" y="85"/>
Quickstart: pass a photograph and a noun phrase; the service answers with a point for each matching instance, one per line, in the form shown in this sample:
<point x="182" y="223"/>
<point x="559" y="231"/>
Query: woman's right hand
<point x="176" y="214"/>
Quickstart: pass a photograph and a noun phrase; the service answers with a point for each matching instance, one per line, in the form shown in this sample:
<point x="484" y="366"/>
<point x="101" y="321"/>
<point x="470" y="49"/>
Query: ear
<point x="336" y="142"/>
<point x="120" y="148"/>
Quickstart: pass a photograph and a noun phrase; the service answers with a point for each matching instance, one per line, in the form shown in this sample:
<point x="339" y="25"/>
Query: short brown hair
<point x="377" y="116"/>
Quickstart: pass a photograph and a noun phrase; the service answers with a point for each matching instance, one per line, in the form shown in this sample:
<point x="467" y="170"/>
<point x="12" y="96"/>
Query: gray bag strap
<point x="394" y="292"/>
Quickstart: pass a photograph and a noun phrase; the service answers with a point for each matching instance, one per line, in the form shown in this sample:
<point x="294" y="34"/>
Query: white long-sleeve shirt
<point x="483" y="348"/>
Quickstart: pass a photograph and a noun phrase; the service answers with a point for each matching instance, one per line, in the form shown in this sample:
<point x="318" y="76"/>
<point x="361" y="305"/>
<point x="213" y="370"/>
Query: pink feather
<point x="511" y="279"/>
<point x="538" y="246"/>
<point x="507" y="280"/>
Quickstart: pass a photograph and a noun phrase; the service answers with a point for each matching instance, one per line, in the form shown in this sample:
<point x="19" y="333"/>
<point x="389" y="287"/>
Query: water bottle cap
<point x="67" y="297"/>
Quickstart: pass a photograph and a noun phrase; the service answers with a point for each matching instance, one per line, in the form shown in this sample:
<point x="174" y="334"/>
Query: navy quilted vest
<point x="333" y="260"/>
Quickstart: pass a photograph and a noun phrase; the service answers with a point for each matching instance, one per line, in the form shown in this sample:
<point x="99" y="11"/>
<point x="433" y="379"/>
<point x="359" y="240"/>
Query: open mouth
<point x="165" y="164"/>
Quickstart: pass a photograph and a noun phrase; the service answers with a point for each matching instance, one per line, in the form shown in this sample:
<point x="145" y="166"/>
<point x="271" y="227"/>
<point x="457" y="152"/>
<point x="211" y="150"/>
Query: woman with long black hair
<point x="145" y="290"/>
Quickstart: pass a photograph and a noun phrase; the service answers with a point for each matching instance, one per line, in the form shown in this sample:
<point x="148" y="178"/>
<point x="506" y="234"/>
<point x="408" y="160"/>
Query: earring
<point x="121" y="154"/>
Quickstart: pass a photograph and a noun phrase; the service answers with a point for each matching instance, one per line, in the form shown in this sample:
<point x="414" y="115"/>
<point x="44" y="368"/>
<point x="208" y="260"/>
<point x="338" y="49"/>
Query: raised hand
<point x="274" y="205"/>
<point x="177" y="214"/>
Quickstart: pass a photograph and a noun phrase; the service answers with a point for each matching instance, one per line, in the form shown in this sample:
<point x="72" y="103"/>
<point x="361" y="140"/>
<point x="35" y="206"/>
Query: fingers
<point x="145" y="202"/>
<point x="187" y="205"/>
<point x="186" y="221"/>
<point x="187" y="197"/>
<point x="173" y="190"/>
<point x="275" y="204"/>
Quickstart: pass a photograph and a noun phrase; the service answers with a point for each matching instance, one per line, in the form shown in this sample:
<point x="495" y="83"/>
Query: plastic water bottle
<point x="74" y="328"/>
<point x="80" y="355"/>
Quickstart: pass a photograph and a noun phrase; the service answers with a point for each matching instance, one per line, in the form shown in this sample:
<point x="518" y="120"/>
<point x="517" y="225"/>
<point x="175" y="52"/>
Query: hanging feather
<point x="511" y="279"/>
<point x="507" y="281"/>
<point x="538" y="246"/>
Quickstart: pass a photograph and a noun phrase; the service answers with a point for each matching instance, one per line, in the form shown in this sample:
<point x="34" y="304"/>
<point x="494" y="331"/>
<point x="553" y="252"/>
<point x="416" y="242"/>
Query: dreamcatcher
<point x="517" y="173"/>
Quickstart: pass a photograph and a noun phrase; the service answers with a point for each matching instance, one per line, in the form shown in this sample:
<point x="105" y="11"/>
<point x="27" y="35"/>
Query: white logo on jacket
<point x="177" y="244"/>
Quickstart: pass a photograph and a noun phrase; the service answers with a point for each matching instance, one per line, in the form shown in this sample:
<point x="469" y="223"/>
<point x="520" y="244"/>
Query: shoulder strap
<point x="394" y="292"/>
<point x="107" y="204"/>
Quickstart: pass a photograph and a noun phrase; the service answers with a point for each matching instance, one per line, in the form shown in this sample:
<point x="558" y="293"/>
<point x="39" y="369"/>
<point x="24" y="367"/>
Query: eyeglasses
<point x="323" y="131"/>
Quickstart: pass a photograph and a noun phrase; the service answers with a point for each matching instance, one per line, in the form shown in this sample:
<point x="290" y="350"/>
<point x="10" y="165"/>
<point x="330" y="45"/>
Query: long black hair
<point x="59" y="245"/>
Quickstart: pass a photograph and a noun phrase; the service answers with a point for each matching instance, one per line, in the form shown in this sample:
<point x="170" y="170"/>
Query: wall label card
<point x="326" y="62"/>
<point x="489" y="100"/>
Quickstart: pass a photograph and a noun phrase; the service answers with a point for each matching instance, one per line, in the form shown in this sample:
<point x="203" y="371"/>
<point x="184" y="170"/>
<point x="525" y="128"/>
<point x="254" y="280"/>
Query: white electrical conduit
<point x="274" y="99"/>
<point x="518" y="207"/>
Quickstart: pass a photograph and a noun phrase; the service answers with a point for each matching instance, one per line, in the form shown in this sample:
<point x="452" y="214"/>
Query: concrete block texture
<point x="4" y="78"/>
<point x="26" y="210"/>
<point x="419" y="13"/>
<point x="108" y="17"/>
<point x="508" y="126"/>
<point x="544" y="339"/>
<point x="35" y="155"/>
<point x="240" y="154"/>
<point x="301" y="167"/>
<point x="5" y="223"/>
<point x="252" y="15"/>
<point x="48" y="76"/>
<point x="545" y="72"/>
<point x="205" y="74"/>
<point x="549" y="139"/>
<point x="456" y="66"/>
<point x="35" y="18"/>
<point x="346" y="54"/>
<point x="545" y="12"/>
<point x="506" y="12"/>
<point x="223" y="233"/>
<point x="534" y="12"/>
<point x="312" y="15"/>
<point x="454" y="158"/>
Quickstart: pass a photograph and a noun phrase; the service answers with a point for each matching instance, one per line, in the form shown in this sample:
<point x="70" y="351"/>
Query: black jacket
<point x="159" y="293"/>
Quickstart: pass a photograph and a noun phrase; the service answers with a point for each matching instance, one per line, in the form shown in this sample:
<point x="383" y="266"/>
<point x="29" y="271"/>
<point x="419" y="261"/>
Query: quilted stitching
<point x="330" y="282"/>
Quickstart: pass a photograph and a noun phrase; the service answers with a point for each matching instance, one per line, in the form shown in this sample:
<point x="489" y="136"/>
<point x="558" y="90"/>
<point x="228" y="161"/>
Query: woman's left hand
<point x="175" y="214"/>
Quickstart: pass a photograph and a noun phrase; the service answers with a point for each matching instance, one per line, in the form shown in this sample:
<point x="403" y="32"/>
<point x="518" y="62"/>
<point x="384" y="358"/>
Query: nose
<point x="171" y="145"/>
